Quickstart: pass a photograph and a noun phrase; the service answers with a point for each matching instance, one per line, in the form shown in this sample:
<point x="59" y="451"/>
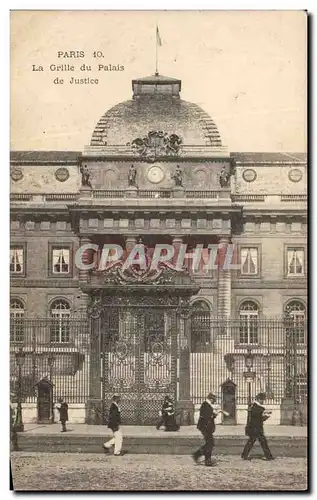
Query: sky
<point x="247" y="69"/>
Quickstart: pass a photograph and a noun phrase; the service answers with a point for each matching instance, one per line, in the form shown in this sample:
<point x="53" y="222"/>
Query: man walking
<point x="114" y="423"/>
<point x="13" y="432"/>
<point x="254" y="428"/>
<point x="206" y="425"/>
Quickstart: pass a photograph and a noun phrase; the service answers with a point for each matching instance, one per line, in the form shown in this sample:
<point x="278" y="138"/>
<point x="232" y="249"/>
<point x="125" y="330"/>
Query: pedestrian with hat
<point x="170" y="420"/>
<point x="114" y="422"/>
<point x="62" y="408"/>
<point x="254" y="428"/>
<point x="206" y="425"/>
<point x="13" y="432"/>
<point x="163" y="413"/>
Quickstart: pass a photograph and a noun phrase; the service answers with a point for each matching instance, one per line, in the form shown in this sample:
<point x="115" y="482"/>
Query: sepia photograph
<point x="158" y="251"/>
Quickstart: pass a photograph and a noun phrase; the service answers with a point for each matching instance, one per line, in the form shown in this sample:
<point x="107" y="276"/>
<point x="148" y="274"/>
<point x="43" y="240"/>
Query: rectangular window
<point x="60" y="328"/>
<point x="299" y="327"/>
<point x="249" y="261"/>
<point x="301" y="389"/>
<point x="60" y="261"/>
<point x="17" y="260"/>
<point x="248" y="330"/>
<point x="295" y="261"/>
<point x="17" y="326"/>
<point x="200" y="332"/>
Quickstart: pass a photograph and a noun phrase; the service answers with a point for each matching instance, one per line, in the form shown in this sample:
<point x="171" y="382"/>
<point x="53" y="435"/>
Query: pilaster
<point x="224" y="281"/>
<point x="83" y="273"/>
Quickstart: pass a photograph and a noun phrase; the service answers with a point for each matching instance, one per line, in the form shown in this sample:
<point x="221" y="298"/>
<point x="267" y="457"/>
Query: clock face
<point x="155" y="174"/>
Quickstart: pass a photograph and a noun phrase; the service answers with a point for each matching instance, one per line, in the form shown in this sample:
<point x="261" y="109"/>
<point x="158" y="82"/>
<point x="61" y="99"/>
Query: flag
<point x="158" y="37"/>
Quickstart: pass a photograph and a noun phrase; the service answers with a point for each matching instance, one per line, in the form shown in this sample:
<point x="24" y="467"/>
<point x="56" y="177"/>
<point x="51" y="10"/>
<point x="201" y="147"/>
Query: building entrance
<point x="139" y="356"/>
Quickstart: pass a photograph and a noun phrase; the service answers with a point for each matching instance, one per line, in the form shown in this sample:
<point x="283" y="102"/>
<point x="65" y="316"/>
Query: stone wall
<point x="270" y="179"/>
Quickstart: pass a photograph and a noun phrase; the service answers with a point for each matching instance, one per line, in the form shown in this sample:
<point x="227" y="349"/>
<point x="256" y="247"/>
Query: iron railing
<point x="54" y="349"/>
<point x="61" y="349"/>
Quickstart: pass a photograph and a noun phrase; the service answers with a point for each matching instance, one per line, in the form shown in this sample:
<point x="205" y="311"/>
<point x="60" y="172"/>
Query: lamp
<point x="249" y="375"/>
<point x="248" y="359"/>
<point x="20" y="358"/>
<point x="50" y="362"/>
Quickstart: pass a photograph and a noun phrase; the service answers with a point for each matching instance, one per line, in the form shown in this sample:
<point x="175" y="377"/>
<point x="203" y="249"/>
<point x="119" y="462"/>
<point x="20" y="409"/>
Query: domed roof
<point x="156" y="105"/>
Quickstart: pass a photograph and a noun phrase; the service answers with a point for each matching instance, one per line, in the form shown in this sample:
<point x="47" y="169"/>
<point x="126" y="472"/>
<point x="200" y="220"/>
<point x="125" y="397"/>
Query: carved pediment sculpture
<point x="119" y="275"/>
<point x="224" y="177"/>
<point x="178" y="177"/>
<point x="85" y="176"/>
<point x="157" y="143"/>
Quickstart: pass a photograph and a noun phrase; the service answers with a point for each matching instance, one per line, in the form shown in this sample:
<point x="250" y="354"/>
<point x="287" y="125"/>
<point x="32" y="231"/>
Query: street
<point x="94" y="472"/>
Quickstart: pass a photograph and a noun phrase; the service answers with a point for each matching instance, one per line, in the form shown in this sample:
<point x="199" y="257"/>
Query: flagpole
<point x="156" y="53"/>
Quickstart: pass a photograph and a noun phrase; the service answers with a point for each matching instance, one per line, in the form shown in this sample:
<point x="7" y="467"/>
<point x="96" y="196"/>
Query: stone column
<point x="84" y="274"/>
<point x="176" y="242"/>
<point x="184" y="404"/>
<point x="94" y="404"/>
<point x="224" y="281"/>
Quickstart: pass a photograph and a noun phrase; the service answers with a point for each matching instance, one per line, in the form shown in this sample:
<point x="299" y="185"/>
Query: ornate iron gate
<point x="139" y="354"/>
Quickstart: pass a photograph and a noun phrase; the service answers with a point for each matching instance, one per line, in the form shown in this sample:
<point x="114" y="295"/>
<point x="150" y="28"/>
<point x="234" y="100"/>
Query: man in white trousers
<point x="114" y="422"/>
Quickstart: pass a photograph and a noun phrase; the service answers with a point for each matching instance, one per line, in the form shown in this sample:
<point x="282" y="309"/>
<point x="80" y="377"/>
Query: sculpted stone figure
<point x="224" y="177"/>
<point x="85" y="175"/>
<point x="132" y="176"/>
<point x="178" y="177"/>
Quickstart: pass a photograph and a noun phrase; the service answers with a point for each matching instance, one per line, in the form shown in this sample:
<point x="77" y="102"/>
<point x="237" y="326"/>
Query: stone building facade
<point x="156" y="172"/>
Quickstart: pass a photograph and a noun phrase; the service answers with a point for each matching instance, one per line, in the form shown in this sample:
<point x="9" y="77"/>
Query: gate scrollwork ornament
<point x="185" y="310"/>
<point x="94" y="309"/>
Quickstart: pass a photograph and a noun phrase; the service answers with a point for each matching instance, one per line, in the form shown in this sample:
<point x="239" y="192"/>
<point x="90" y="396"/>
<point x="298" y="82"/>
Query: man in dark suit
<point x="254" y="428"/>
<point x="62" y="407"/>
<point x="206" y="425"/>
<point x="13" y="432"/>
<point x="114" y="422"/>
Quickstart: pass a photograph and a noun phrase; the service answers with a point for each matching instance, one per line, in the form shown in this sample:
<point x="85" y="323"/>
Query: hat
<point x="211" y="395"/>
<point x="261" y="395"/>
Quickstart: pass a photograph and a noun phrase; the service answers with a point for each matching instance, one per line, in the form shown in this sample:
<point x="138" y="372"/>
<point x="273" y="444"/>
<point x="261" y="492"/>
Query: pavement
<point x="151" y="432"/>
<point x="284" y="441"/>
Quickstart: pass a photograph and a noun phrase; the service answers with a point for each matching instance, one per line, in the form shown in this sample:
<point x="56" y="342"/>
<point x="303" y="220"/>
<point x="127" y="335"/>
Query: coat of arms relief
<point x="157" y="143"/>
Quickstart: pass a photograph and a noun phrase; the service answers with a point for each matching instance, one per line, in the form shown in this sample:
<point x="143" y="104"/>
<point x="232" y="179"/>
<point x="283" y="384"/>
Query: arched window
<point x="17" y="323"/>
<point x="248" y="329"/>
<point x="200" y="327"/>
<point x="60" y="327"/>
<point x="297" y="311"/>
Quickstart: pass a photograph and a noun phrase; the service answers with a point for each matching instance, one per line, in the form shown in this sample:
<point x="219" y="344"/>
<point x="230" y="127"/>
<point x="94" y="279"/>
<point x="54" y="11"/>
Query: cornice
<point x="245" y="284"/>
<point x="44" y="283"/>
